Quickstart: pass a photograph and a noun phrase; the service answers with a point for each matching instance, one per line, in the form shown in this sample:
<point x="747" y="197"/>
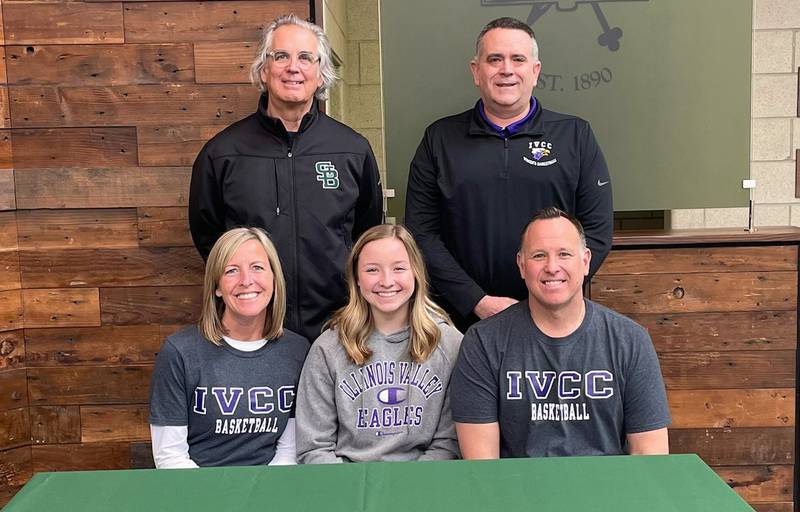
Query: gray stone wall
<point x="775" y="129"/>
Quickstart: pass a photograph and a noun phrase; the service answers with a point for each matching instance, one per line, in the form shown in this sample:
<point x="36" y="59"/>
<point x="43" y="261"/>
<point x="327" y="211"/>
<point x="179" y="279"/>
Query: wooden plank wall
<point x="724" y="324"/>
<point x="103" y="107"/>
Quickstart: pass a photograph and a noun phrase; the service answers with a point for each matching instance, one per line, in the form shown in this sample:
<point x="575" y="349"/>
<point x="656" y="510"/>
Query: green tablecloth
<point x="618" y="484"/>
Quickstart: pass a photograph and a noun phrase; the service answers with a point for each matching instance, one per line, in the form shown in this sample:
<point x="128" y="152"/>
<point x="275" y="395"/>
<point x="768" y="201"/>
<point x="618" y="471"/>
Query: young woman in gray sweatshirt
<point x="375" y="385"/>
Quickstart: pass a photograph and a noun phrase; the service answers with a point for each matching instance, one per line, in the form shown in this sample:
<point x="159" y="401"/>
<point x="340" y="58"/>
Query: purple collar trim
<point x="513" y="127"/>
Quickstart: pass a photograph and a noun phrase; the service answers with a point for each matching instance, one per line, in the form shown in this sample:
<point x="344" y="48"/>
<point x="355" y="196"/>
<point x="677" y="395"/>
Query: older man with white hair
<point x="311" y="182"/>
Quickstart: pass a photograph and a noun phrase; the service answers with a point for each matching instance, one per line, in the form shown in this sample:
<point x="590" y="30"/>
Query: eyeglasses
<point x="282" y="58"/>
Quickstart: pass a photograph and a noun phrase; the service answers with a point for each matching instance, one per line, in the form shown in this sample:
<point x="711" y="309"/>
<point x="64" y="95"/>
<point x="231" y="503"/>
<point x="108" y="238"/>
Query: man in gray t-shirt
<point x="558" y="374"/>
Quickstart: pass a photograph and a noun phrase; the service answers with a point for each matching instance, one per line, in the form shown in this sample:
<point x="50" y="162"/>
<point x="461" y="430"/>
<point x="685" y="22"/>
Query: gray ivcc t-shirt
<point x="577" y="395"/>
<point x="236" y="404"/>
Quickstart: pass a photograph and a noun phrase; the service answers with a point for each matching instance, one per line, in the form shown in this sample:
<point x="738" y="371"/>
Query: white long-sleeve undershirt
<point x="171" y="446"/>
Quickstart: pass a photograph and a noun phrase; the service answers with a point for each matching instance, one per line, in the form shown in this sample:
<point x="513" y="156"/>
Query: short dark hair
<point x="551" y="212"/>
<point x="504" y="22"/>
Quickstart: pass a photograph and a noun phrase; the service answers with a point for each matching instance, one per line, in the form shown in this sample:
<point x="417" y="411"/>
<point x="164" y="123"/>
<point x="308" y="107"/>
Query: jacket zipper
<point x="296" y="312"/>
<point x="505" y="156"/>
<point x="277" y="191"/>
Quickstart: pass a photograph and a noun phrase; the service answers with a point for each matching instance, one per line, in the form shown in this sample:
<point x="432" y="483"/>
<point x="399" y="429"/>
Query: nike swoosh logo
<point x="600" y="183"/>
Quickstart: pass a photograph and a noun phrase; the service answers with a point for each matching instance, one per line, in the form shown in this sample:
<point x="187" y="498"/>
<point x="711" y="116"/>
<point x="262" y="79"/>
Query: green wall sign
<point x="664" y="83"/>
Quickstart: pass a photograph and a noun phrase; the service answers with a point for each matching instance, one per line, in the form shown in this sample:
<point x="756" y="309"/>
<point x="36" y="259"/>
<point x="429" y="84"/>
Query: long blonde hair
<point x="354" y="321"/>
<point x="210" y="323"/>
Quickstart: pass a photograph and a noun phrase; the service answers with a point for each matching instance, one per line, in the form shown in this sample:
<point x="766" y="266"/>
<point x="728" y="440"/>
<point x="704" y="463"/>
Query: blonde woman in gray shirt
<point x="375" y="385"/>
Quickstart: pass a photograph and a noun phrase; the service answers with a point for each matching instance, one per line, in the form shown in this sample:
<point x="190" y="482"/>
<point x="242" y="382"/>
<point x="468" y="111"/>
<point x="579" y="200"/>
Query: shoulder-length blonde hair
<point x="210" y="323"/>
<point x="354" y="321"/>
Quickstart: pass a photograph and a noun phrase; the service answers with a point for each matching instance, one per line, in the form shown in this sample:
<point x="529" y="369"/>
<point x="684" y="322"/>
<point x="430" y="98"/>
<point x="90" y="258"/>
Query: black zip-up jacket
<point x="471" y="191"/>
<point x="313" y="195"/>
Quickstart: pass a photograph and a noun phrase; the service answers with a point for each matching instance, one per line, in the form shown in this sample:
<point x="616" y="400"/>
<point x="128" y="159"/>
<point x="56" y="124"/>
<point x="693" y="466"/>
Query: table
<point x="596" y="484"/>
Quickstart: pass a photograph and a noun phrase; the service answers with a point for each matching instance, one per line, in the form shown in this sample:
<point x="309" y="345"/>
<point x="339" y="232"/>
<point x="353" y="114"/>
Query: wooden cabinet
<point x="721" y="307"/>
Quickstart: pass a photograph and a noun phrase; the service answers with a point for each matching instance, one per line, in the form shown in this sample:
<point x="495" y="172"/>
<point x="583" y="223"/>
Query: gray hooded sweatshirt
<point x="388" y="409"/>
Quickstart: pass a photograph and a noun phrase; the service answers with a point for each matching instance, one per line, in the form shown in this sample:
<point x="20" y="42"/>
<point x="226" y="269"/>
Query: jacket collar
<point x="275" y="125"/>
<point x="532" y="126"/>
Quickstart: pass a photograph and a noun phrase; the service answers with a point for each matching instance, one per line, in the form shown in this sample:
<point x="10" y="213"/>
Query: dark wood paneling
<point x="77" y="22"/>
<point x="103" y="188"/>
<point x="9" y="257"/>
<point x="759" y="483"/>
<point x="685" y="293"/>
<point x="729" y="408"/>
<point x="16" y="468"/>
<point x="142" y="456"/>
<point x="703" y="259"/>
<point x="730" y="237"/>
<point x="140" y="105"/>
<point x="81" y="385"/>
<point x="737" y="447"/>
<point x="714" y="370"/>
<point x="786" y="506"/>
<point x="92" y="345"/>
<point x="111" y="267"/>
<point x="74" y="147"/>
<point x="104" y="131"/>
<point x="173" y="145"/>
<point x="724" y="322"/>
<point x="746" y="330"/>
<point x="8" y="247"/>
<point x="164" y="227"/>
<point x="11" y="310"/>
<point x="13" y="390"/>
<point x="165" y="331"/>
<point x="114" y="423"/>
<point x="53" y="424"/>
<point x="223" y="63"/>
<point x="78" y="457"/>
<point x="9" y="270"/>
<point x="64" y="307"/>
<point x="94" y="65"/>
<point x="8" y="231"/>
<point x="5" y="115"/>
<point x="204" y="21"/>
<point x="7" y="196"/>
<point x="3" y="72"/>
<point x="70" y="229"/>
<point x="6" y="161"/>
<point x="12" y="350"/>
<point x="149" y="305"/>
<point x="15" y="428"/>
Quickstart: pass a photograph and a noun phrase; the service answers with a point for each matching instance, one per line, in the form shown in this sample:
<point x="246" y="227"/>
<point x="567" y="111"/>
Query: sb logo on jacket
<point x="327" y="175"/>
